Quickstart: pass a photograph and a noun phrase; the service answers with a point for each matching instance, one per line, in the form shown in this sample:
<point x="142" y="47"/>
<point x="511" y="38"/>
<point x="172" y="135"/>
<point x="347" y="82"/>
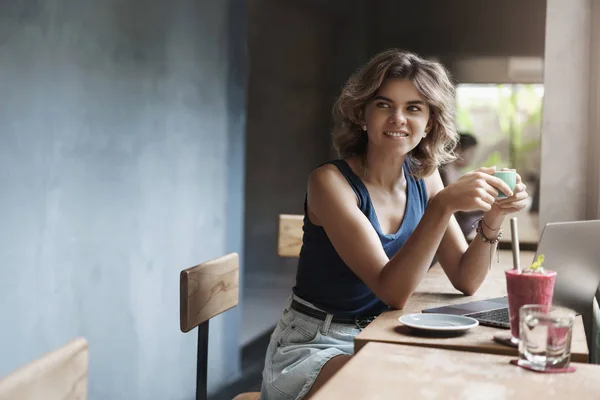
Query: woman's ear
<point x="428" y="128"/>
<point x="361" y="121"/>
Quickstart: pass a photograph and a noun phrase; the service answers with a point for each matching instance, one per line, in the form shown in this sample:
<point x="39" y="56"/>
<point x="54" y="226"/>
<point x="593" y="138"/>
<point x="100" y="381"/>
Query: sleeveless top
<point x="324" y="280"/>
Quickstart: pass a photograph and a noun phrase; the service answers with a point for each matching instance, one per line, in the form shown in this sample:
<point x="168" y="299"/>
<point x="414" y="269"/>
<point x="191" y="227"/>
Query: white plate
<point x="438" y="322"/>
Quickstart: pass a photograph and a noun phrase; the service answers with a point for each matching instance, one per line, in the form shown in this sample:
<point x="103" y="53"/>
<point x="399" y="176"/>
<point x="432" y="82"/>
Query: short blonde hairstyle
<point x="433" y="82"/>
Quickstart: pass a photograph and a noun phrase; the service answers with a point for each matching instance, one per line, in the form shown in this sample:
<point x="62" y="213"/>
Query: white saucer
<point x="438" y="322"/>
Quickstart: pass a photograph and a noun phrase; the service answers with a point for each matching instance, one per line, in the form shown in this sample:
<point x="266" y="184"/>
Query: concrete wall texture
<point x="564" y="189"/>
<point x="288" y="117"/>
<point x="121" y="163"/>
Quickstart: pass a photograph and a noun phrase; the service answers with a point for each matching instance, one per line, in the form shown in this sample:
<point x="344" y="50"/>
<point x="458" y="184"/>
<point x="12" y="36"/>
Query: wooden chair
<point x="289" y="238"/>
<point x="59" y="375"/>
<point x="207" y="290"/>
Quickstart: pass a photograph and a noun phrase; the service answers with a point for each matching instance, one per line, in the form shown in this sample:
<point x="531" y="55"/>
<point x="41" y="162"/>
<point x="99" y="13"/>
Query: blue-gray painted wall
<point x="121" y="163"/>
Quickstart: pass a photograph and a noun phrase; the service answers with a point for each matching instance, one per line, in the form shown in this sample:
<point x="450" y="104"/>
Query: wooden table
<point x="388" y="371"/>
<point x="436" y="290"/>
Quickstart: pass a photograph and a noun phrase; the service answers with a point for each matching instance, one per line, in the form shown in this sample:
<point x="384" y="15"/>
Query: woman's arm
<point x="467" y="267"/>
<point x="333" y="205"/>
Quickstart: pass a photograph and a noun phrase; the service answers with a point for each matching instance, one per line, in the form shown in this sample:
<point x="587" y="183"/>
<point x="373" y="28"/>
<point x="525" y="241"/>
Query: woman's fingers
<point x="520" y="194"/>
<point x="485" y="196"/>
<point x="483" y="205"/>
<point x="486" y="170"/>
<point x="492" y="191"/>
<point x="487" y="189"/>
<point x="497" y="183"/>
<point x="519" y="187"/>
<point x="514" y="205"/>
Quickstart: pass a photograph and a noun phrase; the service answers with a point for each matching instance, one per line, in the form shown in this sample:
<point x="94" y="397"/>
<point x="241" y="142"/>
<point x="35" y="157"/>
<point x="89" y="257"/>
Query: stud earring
<point x="364" y="128"/>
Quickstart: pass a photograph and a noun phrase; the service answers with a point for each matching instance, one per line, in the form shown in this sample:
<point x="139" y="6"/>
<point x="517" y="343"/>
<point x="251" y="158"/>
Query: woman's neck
<point x="384" y="169"/>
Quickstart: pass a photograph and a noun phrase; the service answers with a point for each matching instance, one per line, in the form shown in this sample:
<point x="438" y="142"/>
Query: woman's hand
<point x="514" y="203"/>
<point x="477" y="191"/>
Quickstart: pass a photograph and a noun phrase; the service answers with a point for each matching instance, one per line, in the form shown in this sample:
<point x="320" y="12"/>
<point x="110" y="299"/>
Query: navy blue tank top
<point x="324" y="280"/>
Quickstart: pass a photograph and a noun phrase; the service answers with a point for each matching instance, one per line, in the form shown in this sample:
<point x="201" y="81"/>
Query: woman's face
<point x="397" y="117"/>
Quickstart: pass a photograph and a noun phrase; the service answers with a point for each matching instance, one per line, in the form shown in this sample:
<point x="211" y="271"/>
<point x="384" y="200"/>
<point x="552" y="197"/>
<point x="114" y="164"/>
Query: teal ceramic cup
<point x="509" y="177"/>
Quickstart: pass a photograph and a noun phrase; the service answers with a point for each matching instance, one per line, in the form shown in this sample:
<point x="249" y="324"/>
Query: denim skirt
<point x="300" y="345"/>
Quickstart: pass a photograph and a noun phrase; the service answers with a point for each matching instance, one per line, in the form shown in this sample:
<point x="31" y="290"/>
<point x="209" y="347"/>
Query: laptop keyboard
<point x="499" y="315"/>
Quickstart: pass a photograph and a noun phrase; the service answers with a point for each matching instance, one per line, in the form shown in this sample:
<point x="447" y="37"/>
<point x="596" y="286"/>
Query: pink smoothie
<point x="527" y="288"/>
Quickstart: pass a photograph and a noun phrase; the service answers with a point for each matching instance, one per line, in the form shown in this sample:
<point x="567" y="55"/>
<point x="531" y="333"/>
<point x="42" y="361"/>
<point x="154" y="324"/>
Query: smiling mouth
<point x="396" y="134"/>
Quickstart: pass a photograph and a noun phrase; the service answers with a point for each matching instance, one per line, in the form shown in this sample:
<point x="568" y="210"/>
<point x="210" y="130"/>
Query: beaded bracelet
<point x="479" y="229"/>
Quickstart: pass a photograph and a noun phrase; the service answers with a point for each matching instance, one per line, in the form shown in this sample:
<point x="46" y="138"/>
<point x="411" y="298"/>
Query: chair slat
<point x="289" y="238"/>
<point x="208" y="289"/>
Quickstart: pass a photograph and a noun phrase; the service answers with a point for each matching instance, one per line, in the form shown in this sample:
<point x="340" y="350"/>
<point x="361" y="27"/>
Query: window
<point x="506" y="120"/>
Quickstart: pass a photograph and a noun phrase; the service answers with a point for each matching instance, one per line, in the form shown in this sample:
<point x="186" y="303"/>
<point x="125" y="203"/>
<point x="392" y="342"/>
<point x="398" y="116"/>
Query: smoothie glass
<point x="525" y="287"/>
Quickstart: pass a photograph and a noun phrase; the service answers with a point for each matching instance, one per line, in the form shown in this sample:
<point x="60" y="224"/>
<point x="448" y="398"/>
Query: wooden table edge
<point x="360" y="343"/>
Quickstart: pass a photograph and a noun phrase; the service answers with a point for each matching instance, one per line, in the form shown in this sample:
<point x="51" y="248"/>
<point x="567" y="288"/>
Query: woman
<point x="375" y="218"/>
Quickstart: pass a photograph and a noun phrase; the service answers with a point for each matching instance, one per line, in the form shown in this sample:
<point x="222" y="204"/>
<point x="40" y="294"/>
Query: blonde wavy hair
<point x="433" y="82"/>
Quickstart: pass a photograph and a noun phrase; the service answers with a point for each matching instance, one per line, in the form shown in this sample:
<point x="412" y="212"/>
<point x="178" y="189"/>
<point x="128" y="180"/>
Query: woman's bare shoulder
<point x="433" y="184"/>
<point x="329" y="173"/>
<point x="328" y="186"/>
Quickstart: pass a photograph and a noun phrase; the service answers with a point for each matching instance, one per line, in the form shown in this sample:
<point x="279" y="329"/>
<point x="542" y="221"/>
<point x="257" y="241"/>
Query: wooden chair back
<point x="59" y="375"/>
<point x="289" y="237"/>
<point x="205" y="291"/>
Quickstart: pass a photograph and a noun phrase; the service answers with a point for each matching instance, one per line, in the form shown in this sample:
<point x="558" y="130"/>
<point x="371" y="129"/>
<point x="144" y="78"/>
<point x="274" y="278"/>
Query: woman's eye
<point x="383" y="105"/>
<point x="414" y="108"/>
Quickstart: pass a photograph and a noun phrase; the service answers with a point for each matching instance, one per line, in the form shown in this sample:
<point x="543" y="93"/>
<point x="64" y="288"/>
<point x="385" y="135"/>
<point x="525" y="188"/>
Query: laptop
<point x="571" y="249"/>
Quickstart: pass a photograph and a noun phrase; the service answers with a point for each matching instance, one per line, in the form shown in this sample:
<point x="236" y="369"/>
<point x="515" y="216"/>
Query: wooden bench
<point x="59" y="375"/>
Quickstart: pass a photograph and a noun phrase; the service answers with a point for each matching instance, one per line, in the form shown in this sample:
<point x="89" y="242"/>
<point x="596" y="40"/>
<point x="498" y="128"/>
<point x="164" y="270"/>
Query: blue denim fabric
<point x="299" y="347"/>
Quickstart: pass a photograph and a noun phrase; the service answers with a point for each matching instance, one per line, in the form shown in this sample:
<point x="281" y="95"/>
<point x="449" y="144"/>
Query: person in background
<point x="465" y="151"/>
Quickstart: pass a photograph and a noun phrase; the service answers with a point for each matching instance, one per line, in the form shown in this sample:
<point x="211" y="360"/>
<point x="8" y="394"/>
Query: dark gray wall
<point x="301" y="52"/>
<point x="121" y="163"/>
<point x="288" y="117"/>
<point x="460" y="27"/>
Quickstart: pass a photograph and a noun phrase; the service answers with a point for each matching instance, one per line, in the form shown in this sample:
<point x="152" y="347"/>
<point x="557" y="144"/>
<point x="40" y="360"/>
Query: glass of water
<point x="545" y="333"/>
